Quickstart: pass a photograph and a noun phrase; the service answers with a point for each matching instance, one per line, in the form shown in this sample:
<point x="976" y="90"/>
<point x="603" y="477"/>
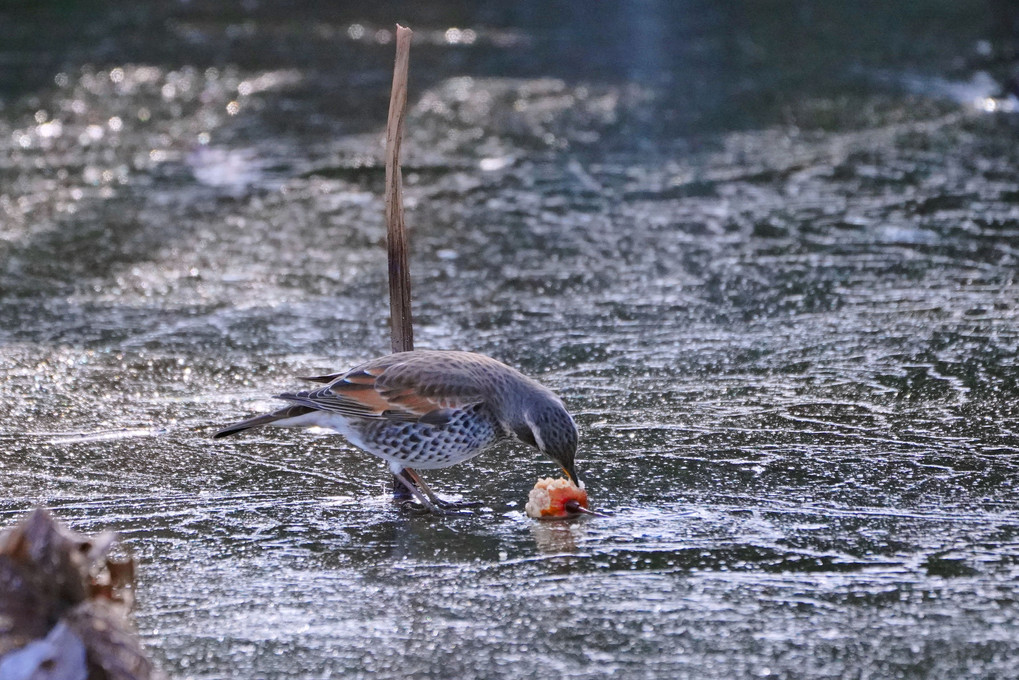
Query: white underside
<point x="326" y="420"/>
<point x="338" y="424"/>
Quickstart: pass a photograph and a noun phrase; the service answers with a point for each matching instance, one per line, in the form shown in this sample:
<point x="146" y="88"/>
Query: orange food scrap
<point x="549" y="497"/>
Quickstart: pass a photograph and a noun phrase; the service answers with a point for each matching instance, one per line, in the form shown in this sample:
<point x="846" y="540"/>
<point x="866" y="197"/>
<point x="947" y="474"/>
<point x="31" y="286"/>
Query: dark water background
<point x="766" y="252"/>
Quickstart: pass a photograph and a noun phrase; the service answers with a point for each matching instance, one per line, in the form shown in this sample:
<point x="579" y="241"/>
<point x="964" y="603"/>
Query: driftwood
<point x="64" y="606"/>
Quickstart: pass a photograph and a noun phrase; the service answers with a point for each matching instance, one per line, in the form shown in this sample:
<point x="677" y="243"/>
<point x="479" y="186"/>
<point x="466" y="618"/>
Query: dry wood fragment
<point x="64" y="605"/>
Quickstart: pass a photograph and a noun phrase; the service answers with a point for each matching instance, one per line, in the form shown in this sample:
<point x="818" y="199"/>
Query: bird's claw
<point x="412" y="506"/>
<point x="417" y="508"/>
<point x="457" y="505"/>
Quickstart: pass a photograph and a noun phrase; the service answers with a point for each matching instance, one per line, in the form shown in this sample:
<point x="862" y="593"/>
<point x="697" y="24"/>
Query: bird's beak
<point x="571" y="472"/>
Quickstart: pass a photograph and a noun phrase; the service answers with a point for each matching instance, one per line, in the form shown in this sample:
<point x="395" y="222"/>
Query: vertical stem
<point x="401" y="325"/>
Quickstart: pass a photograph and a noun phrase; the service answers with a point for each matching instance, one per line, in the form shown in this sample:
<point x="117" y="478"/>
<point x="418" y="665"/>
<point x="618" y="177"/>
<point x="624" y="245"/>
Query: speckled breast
<point x="419" y="445"/>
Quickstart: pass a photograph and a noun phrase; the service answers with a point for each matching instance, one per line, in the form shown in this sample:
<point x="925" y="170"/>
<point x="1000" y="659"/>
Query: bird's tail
<point x="268" y="418"/>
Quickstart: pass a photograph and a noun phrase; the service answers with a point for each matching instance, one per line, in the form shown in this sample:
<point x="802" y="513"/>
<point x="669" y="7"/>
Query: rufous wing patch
<point x="376" y="393"/>
<point x="369" y="400"/>
<point x="410" y="400"/>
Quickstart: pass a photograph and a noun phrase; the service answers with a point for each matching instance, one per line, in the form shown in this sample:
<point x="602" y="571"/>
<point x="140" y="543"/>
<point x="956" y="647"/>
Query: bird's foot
<point x="456" y="505"/>
<point x="421" y="499"/>
<point x="414" y="507"/>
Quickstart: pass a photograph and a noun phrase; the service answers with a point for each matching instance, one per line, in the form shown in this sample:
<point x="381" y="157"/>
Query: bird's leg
<point x="400" y="491"/>
<point x="426" y="504"/>
<point x="449" y="505"/>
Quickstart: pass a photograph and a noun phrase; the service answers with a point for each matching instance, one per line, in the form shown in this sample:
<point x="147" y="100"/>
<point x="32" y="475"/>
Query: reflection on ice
<point x="232" y="169"/>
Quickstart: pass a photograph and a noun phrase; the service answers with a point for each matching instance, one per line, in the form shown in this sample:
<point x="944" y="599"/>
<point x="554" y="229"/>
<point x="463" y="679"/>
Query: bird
<point x="429" y="409"/>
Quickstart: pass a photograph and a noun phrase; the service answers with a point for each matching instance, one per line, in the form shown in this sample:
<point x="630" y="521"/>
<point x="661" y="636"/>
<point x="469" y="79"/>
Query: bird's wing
<point x="395" y="389"/>
<point x="322" y="378"/>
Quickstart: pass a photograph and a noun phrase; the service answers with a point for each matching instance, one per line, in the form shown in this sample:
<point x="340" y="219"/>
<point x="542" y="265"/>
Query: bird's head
<point x="547" y="425"/>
